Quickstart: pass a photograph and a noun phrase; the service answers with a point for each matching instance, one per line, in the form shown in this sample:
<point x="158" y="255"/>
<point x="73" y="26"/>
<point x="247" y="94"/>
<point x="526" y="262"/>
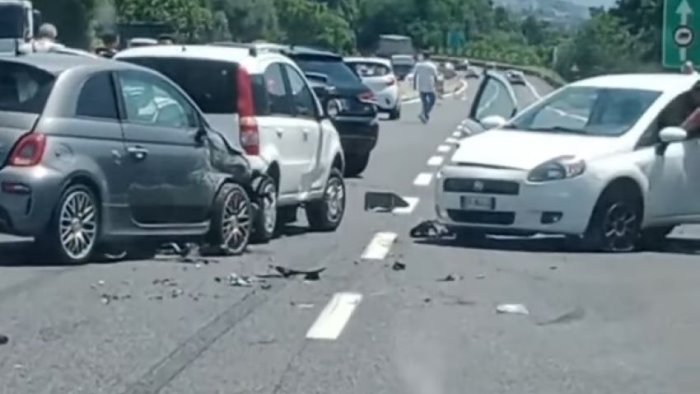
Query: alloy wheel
<point x="78" y="224"/>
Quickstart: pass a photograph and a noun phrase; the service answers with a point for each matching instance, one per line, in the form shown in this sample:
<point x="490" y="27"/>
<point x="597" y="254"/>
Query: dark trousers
<point x="428" y="101"/>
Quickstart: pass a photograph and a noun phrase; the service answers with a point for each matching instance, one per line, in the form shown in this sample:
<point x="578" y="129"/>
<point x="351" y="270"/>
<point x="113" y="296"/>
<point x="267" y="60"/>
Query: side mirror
<point x="493" y="122"/>
<point x="672" y="134"/>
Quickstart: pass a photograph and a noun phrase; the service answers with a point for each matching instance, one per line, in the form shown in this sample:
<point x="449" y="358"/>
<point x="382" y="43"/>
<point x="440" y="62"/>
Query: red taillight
<point x="390" y="82"/>
<point x="29" y="150"/>
<point x="250" y="135"/>
<point x="367" y="97"/>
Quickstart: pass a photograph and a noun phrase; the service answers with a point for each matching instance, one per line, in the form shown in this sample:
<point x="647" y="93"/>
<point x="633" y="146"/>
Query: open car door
<point x="494" y="104"/>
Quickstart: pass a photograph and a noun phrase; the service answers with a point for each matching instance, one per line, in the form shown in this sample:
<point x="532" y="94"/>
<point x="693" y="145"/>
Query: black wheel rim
<point x="621" y="227"/>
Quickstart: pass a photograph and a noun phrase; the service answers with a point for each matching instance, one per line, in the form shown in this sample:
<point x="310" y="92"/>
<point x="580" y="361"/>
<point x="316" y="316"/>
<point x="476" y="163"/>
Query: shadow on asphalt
<point x="552" y="245"/>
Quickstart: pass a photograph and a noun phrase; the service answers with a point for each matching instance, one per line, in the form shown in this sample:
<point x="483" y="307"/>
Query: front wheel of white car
<point x="265" y="222"/>
<point x="616" y="222"/>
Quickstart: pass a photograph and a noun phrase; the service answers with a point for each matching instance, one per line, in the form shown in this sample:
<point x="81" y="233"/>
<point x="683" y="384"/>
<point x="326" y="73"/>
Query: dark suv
<point x="357" y="119"/>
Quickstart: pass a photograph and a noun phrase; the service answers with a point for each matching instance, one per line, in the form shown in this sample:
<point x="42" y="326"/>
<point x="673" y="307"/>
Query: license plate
<point x="477" y="203"/>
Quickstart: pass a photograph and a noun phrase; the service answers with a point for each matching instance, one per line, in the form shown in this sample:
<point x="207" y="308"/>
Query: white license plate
<point x="477" y="203"/>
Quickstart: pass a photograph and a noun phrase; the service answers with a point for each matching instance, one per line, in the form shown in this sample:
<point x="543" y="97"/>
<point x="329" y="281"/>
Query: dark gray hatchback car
<point x="95" y="153"/>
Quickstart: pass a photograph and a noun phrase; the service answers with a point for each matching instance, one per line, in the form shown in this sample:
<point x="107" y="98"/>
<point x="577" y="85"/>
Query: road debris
<point x="450" y="278"/>
<point x="108" y="298"/>
<point x="513" y="309"/>
<point x="576" y="314"/>
<point x="311" y="275"/>
<point x="383" y="202"/>
<point x="302" y="305"/>
<point x="429" y="229"/>
<point x="480" y="277"/>
<point x="398" y="266"/>
<point x="4" y="339"/>
<point x="188" y="253"/>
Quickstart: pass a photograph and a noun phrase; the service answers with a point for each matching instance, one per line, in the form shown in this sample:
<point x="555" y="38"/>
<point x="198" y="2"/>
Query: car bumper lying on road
<point x="357" y="135"/>
<point x="504" y="202"/>
<point x="27" y="199"/>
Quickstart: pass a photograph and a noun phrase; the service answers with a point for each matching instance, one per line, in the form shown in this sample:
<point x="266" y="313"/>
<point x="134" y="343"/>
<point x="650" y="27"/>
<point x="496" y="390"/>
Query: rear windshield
<point x="370" y="69"/>
<point x="24" y="88"/>
<point x="211" y="84"/>
<point x="339" y="73"/>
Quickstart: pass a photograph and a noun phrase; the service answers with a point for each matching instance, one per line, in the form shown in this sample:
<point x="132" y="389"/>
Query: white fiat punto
<point x="603" y="160"/>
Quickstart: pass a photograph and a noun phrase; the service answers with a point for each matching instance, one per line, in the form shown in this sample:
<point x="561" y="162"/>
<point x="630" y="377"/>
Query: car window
<point x="24" y="88"/>
<point x="304" y="102"/>
<point x="278" y="101"/>
<point x="97" y="98"/>
<point x="587" y="110"/>
<point x="339" y="73"/>
<point x="152" y="101"/>
<point x="495" y="99"/>
<point x="210" y="84"/>
<point x="370" y="69"/>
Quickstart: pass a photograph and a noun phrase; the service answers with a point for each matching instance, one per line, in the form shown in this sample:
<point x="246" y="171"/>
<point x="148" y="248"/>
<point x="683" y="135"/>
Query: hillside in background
<point x="566" y="13"/>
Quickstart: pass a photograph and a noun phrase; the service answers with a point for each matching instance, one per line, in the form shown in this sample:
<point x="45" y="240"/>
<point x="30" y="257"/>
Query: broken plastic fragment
<point x="514" y="309"/>
<point x="4" y="339"/>
<point x="398" y="266"/>
<point x="429" y="229"/>
<point x="383" y="201"/>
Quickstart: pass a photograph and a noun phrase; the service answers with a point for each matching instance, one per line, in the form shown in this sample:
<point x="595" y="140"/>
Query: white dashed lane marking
<point x="457" y="134"/>
<point x="423" y="179"/>
<point x="412" y="203"/>
<point x="452" y="141"/>
<point x="380" y="246"/>
<point x="435" y="161"/>
<point x="443" y="148"/>
<point x="334" y="317"/>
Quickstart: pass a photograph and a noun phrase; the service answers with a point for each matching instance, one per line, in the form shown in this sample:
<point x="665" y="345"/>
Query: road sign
<point x="680" y="27"/>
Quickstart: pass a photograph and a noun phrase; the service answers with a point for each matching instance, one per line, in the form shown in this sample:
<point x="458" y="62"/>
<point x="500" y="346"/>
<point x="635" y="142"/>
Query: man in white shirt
<point x="425" y="82"/>
<point x="45" y="40"/>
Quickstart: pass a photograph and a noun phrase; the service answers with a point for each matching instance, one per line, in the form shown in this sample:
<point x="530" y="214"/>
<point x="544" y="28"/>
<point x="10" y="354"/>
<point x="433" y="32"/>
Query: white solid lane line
<point x="380" y="246"/>
<point x="334" y="317"/>
<point x="423" y="179"/>
<point x="412" y="203"/>
<point x="443" y="148"/>
<point x="435" y="161"/>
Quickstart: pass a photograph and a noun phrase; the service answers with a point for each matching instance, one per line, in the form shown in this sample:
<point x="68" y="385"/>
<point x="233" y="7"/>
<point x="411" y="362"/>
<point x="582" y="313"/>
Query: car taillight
<point x="29" y="150"/>
<point x="366" y="97"/>
<point x="248" y="125"/>
<point x="390" y="82"/>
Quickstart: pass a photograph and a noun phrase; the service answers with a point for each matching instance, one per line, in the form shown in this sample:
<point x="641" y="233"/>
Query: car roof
<point x="360" y="59"/>
<point x="55" y="63"/>
<point x="663" y="82"/>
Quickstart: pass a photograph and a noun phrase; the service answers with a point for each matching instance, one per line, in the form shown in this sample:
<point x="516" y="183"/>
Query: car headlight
<point x="563" y="167"/>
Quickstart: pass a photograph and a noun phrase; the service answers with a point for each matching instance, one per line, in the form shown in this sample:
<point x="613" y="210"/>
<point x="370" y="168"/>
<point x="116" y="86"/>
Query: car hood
<point x="526" y="150"/>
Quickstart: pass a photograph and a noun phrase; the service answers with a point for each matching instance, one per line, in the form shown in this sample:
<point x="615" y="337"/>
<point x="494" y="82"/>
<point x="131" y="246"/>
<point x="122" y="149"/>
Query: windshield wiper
<point x="559" y="129"/>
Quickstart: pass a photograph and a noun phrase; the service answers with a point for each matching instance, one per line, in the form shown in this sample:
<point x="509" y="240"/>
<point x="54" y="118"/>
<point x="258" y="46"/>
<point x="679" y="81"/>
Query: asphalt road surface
<point x="598" y="323"/>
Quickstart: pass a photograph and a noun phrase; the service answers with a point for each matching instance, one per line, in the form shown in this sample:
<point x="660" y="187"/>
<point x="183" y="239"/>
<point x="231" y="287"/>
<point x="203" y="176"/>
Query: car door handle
<point x="138" y="152"/>
<point x="279" y="131"/>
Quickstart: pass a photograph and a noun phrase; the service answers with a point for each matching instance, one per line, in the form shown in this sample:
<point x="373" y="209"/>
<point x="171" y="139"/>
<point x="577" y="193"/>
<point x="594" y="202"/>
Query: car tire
<point x="265" y="223"/>
<point x="231" y="221"/>
<point x="79" y="212"/>
<point x="355" y="164"/>
<point x="615" y="225"/>
<point x="395" y="113"/>
<point x="327" y="213"/>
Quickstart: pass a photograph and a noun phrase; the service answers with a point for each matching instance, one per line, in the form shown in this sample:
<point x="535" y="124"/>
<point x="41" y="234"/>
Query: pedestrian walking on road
<point x="425" y="81"/>
<point x="45" y="39"/>
<point x="110" y="46"/>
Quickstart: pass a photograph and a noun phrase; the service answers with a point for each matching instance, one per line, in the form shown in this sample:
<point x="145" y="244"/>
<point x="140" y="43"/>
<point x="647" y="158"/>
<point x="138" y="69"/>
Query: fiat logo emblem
<point x="478" y="186"/>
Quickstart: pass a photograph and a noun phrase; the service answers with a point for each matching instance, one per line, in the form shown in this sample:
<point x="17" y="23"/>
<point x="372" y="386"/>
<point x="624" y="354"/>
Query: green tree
<point x="308" y="22"/>
<point x="192" y="20"/>
<point x="71" y="17"/>
<point x="249" y="20"/>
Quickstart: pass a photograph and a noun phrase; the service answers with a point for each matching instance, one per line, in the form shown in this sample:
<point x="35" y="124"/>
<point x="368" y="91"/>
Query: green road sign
<point x="455" y="40"/>
<point x="681" y="27"/>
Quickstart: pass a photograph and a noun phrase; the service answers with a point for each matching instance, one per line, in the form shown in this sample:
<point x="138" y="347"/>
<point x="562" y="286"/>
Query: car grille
<point x="481" y="217"/>
<point x="487" y="186"/>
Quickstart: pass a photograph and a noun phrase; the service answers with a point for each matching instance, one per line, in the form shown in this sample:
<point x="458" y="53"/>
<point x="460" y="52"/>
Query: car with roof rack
<point x="263" y="103"/>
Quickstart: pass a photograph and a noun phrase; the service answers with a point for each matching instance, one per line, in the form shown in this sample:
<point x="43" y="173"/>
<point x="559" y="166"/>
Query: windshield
<point x="587" y="110"/>
<point x="370" y="69"/>
<point x="12" y="20"/>
<point x="339" y="73"/>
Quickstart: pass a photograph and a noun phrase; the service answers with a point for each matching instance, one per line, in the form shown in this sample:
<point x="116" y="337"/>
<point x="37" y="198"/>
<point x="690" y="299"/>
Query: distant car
<point x="402" y="65"/>
<point x="463" y="65"/>
<point x="142" y="42"/>
<point x="515" y="77"/>
<point x="98" y="153"/>
<point x="378" y="75"/>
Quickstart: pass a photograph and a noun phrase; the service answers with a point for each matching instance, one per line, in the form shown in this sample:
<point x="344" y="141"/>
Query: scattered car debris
<point x="553" y="267"/>
<point x="188" y="253"/>
<point x="427" y="300"/>
<point x="108" y="298"/>
<point x="429" y="229"/>
<point x="311" y="275"/>
<point x="450" y="278"/>
<point x="174" y="293"/>
<point x="481" y="276"/>
<point x="398" y="266"/>
<point x="383" y="201"/>
<point x="513" y="309"/>
<point x="576" y="314"/>
<point x="4" y="339"/>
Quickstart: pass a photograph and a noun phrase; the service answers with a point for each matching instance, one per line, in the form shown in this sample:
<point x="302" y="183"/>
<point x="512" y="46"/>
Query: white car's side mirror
<point x="672" y="134"/>
<point x="493" y="122"/>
